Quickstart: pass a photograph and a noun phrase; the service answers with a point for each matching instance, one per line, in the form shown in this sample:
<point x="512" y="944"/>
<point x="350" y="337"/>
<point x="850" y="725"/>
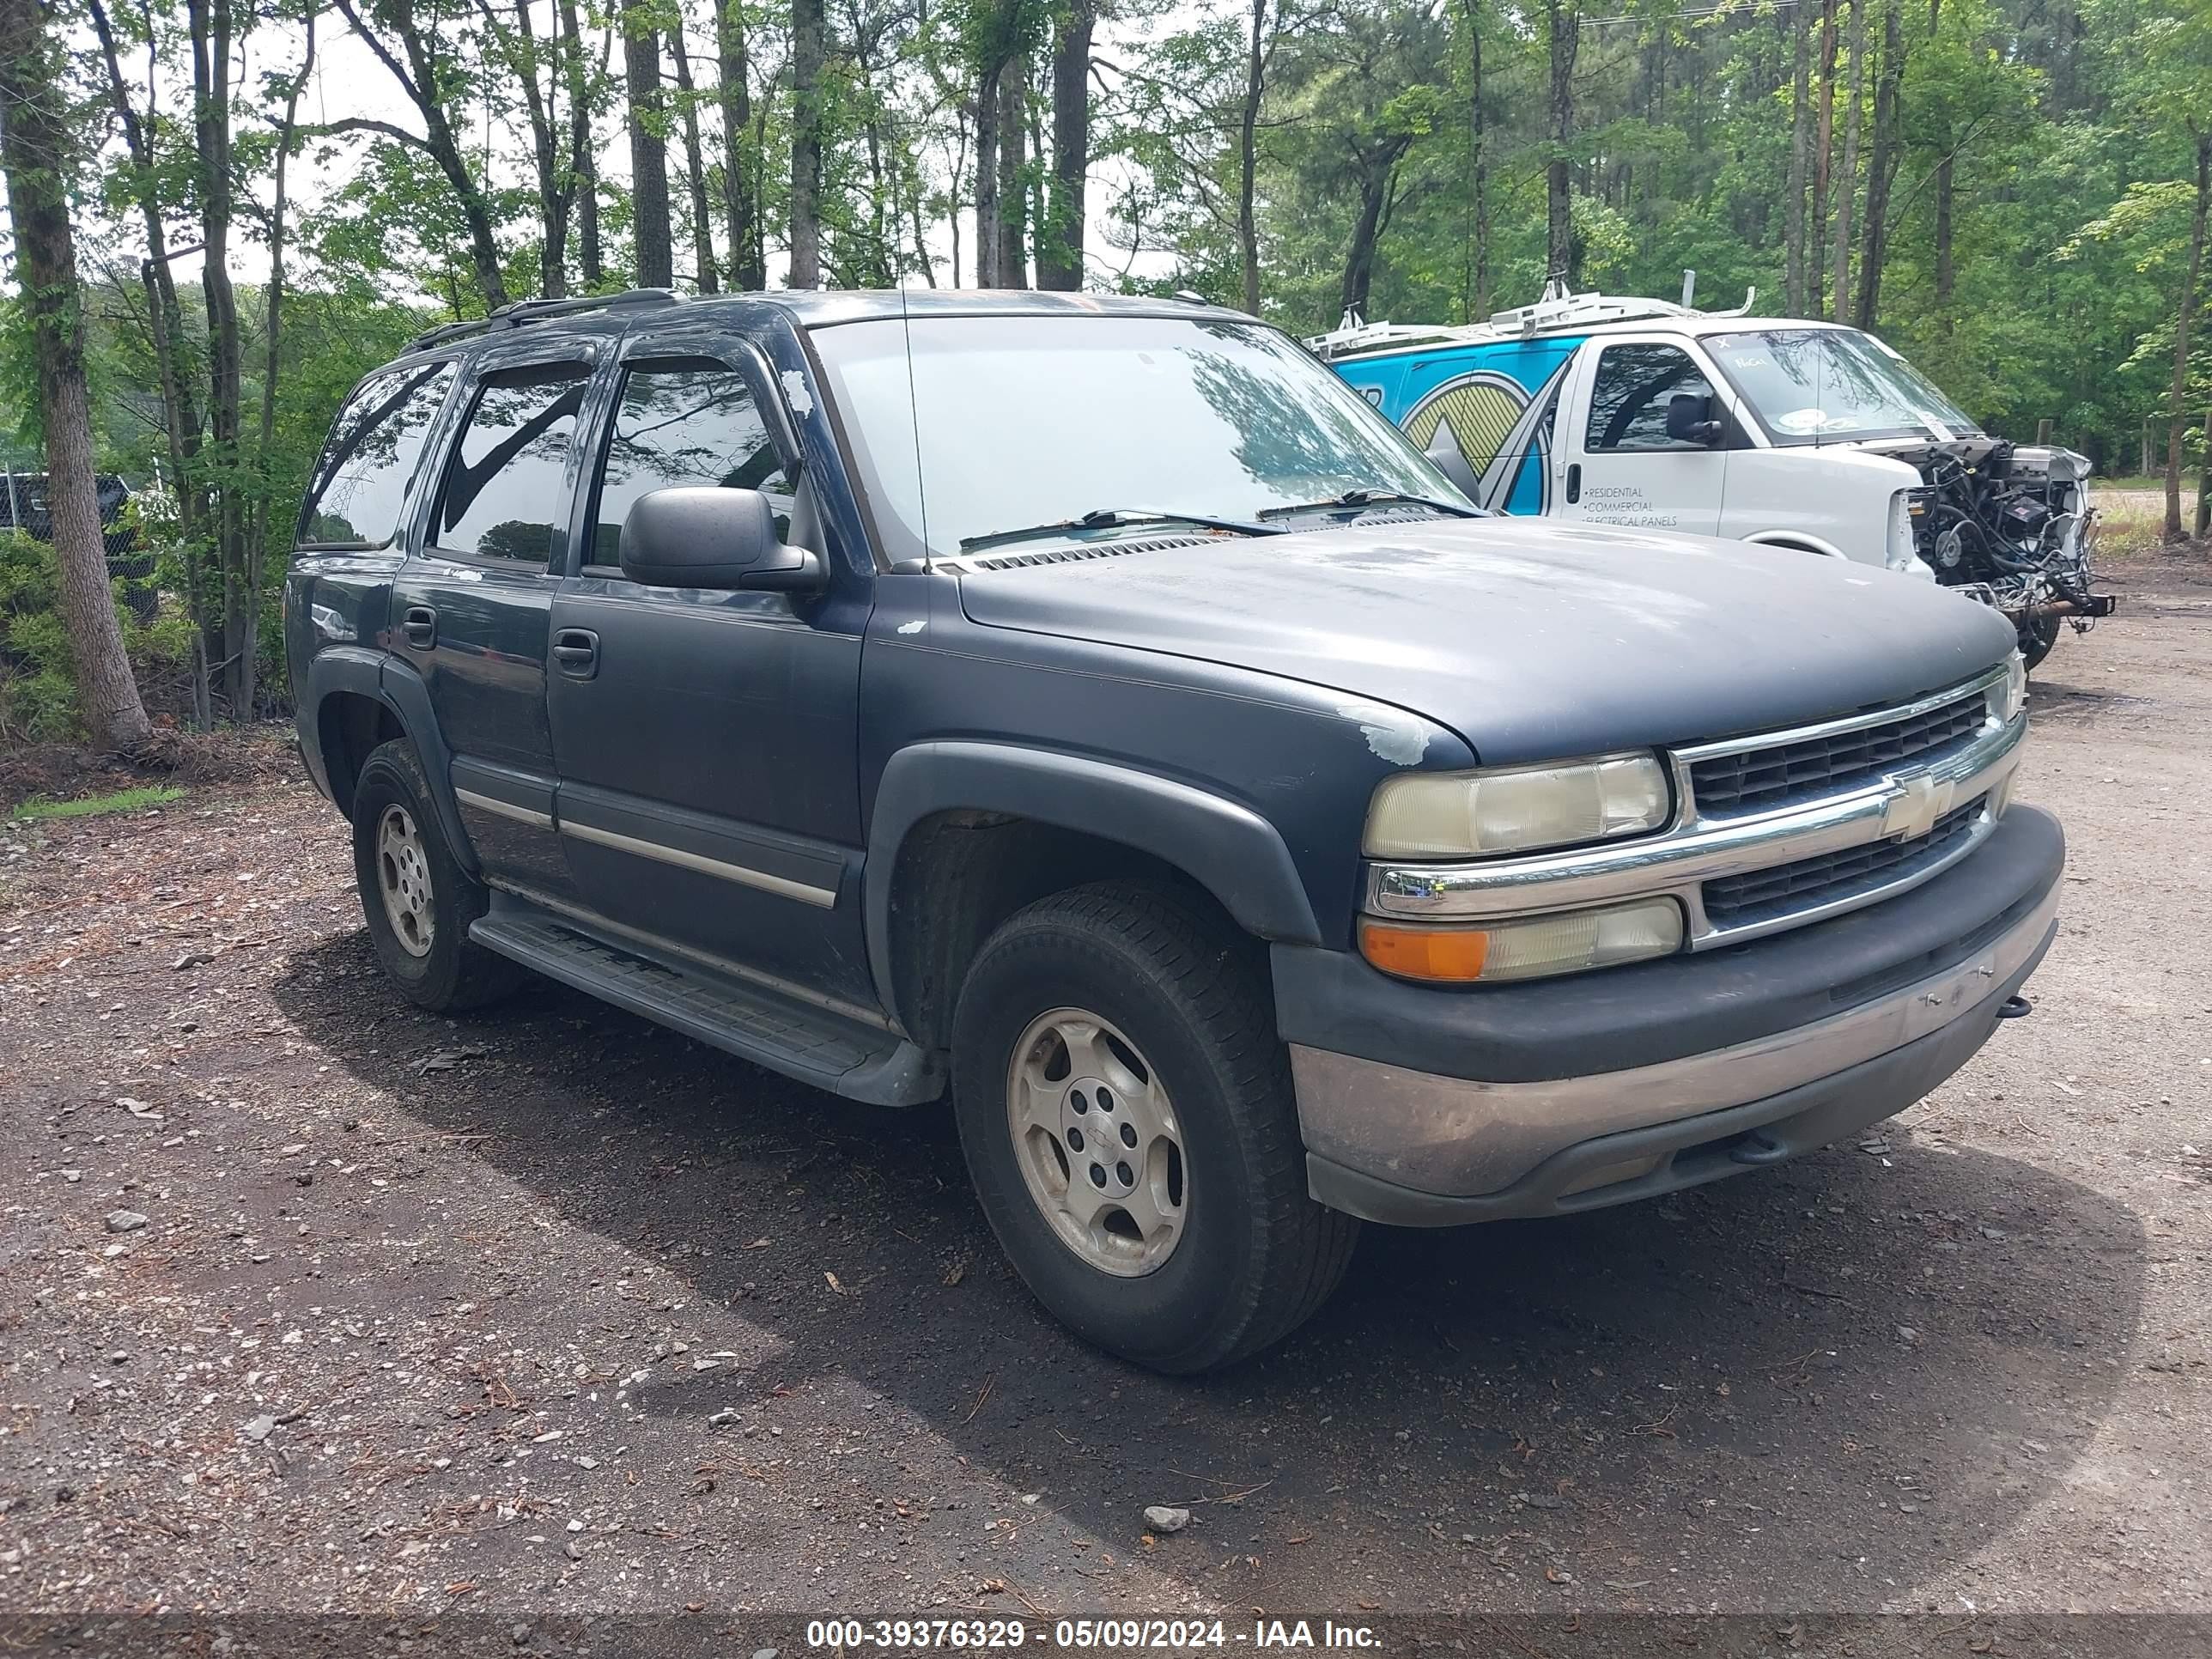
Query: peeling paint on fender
<point x="1391" y="733"/>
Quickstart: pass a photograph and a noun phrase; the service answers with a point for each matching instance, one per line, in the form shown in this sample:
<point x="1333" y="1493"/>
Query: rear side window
<point x="507" y="486"/>
<point x="360" y="483"/>
<point x="1628" y="403"/>
<point x="679" y="423"/>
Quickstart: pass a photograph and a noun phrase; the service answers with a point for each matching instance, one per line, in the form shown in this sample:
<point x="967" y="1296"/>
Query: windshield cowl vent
<point x="1088" y="551"/>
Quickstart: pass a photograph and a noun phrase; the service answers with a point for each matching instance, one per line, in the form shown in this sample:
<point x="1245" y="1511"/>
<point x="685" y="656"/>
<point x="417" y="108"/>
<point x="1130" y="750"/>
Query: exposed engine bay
<point x="2011" y="524"/>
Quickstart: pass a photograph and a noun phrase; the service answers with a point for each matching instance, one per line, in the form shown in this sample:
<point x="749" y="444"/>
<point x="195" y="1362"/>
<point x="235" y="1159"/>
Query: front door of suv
<point x="707" y="742"/>
<point x="470" y="610"/>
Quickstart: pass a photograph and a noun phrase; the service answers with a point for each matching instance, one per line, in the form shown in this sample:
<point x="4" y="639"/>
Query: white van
<point x="1770" y="429"/>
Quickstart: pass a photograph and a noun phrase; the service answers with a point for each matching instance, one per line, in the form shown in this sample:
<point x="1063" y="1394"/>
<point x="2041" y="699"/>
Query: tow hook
<point x="2015" y="1007"/>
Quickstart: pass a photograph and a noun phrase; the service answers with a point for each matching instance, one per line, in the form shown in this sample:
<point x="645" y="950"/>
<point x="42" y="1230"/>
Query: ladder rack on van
<point x="1556" y="312"/>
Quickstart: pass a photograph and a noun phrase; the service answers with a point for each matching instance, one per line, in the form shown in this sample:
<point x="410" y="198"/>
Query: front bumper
<point x="1616" y="1085"/>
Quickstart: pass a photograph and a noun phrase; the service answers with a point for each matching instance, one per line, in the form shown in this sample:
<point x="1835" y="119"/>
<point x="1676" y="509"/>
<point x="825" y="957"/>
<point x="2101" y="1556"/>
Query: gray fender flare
<point x="368" y="673"/>
<point x="1226" y="848"/>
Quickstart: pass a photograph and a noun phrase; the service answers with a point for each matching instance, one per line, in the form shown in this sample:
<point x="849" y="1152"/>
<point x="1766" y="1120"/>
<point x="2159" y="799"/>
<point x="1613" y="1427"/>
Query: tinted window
<point x="362" y="480"/>
<point x="508" y="483"/>
<point x="684" y="423"/>
<point x="1628" y="404"/>
<point x="968" y="427"/>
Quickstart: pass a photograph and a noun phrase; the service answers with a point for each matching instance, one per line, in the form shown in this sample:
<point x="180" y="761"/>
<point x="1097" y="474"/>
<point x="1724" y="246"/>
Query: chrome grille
<point x="1806" y="884"/>
<point x="1759" y="779"/>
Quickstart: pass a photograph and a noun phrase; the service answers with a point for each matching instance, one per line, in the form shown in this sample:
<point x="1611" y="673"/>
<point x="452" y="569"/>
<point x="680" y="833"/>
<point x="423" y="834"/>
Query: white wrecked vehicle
<point x="1777" y="430"/>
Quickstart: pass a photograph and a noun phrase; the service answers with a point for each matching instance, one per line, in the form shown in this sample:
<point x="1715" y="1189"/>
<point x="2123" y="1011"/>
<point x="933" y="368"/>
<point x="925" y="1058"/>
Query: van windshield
<point x="1812" y="386"/>
<point x="996" y="424"/>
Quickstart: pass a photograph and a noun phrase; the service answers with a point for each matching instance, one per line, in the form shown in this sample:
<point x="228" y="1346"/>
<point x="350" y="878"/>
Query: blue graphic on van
<point x="1483" y="413"/>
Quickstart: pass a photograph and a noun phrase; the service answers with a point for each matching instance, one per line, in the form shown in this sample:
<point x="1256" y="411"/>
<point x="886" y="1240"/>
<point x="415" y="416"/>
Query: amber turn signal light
<point x="1431" y="953"/>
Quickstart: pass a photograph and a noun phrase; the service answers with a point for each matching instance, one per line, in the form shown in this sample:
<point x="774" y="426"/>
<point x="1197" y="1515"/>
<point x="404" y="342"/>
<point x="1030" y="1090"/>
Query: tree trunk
<point x="695" y="170"/>
<point x="1247" y="157"/>
<point x="1559" y="259"/>
<point x="34" y="151"/>
<point x="1882" y="166"/>
<point x="986" y="176"/>
<point x="419" y="79"/>
<point x="740" y="170"/>
<point x="1478" y="174"/>
<point x="164" y="323"/>
<point x="1013" y="171"/>
<point x="1849" y="189"/>
<point x="1801" y="112"/>
<point x="583" y="157"/>
<point x="1376" y="170"/>
<point x="1059" y="238"/>
<point x="1946" y="271"/>
<point x="649" y="147"/>
<point x="555" y="184"/>
<point x="210" y="25"/>
<point x="807" y="49"/>
<point x="1816" y="286"/>
<point x="257" y="538"/>
<point x="2175" y="529"/>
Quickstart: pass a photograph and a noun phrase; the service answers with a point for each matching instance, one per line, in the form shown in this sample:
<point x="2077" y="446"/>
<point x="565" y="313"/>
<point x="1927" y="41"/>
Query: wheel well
<point x="350" y="724"/>
<point x="959" y="874"/>
<point x="1793" y="545"/>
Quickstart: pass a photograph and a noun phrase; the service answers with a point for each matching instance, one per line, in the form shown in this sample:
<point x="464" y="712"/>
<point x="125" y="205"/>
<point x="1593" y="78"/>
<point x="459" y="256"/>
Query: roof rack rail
<point x="1557" y="310"/>
<point x="519" y="311"/>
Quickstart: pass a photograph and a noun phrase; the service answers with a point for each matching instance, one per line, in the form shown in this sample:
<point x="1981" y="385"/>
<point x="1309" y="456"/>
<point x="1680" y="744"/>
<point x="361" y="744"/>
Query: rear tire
<point x="2037" y="637"/>
<point x="417" y="898"/>
<point x="1120" y="1015"/>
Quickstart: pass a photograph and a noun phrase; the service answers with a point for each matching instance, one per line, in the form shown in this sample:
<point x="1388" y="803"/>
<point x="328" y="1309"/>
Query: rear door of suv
<point x="707" y="741"/>
<point x="469" y="611"/>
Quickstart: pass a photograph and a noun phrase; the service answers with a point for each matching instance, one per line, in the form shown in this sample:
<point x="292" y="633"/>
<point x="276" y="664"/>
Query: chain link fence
<point x="23" y="507"/>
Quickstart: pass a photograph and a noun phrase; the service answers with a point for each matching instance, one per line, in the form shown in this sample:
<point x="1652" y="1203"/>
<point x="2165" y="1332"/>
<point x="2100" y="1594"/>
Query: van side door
<point x="470" y="610"/>
<point x="1621" y="466"/>
<point x="707" y="741"/>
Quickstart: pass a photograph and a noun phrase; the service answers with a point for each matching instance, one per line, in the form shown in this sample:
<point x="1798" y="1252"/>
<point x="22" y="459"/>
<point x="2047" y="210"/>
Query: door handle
<point x="576" y="650"/>
<point x="1574" y="481"/>
<point x="421" y="625"/>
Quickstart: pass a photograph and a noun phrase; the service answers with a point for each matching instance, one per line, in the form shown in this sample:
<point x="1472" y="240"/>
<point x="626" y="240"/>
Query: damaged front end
<point x="2010" y="524"/>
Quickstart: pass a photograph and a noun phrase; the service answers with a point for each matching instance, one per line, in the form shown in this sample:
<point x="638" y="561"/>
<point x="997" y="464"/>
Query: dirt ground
<point x="550" y="1312"/>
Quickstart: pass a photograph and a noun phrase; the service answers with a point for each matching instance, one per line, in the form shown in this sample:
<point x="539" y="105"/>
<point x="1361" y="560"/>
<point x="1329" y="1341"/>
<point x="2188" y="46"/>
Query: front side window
<point x="361" y="482"/>
<point x="685" y="423"/>
<point x="1630" y="395"/>
<point x="507" y="486"/>
<point x="970" y="428"/>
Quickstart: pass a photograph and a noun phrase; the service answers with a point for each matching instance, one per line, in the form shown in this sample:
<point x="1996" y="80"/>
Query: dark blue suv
<point x="1092" y="711"/>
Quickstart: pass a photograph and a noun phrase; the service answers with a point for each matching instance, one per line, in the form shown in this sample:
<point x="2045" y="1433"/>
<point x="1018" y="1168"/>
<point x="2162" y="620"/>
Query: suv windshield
<point x="1003" y="423"/>
<point x="1810" y="385"/>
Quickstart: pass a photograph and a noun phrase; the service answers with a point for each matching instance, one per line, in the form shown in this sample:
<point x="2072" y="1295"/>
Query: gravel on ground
<point x="316" y="1303"/>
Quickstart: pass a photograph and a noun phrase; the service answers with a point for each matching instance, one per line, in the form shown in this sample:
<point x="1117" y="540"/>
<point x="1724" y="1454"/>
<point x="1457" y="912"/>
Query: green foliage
<point x="93" y="806"/>
<point x="37" y="683"/>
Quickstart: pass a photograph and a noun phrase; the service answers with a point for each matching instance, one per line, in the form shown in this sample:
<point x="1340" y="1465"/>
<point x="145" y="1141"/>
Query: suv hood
<point x="1532" y="640"/>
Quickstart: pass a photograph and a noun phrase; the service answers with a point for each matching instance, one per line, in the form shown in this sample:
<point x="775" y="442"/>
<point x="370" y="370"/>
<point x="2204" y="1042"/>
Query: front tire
<point x="417" y="898"/>
<point x="2037" y="637"/>
<point x="1126" y="1112"/>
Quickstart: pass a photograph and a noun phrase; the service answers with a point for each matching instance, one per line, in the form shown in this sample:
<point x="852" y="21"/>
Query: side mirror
<point x="714" y="537"/>
<point x="1690" y="420"/>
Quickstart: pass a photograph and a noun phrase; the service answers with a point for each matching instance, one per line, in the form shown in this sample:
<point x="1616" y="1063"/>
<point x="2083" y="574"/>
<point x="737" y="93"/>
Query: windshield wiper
<point x="1107" y="518"/>
<point x="1377" y="498"/>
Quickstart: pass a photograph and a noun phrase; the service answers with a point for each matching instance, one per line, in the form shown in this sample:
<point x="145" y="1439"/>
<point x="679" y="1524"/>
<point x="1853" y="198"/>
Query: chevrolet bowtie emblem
<point x="1914" y="805"/>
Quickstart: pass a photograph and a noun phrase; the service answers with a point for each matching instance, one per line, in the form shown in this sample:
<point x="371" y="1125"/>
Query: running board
<point x="811" y="1044"/>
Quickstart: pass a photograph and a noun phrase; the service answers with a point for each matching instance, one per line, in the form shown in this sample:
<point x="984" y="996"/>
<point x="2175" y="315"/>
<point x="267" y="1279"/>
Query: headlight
<point x="2012" y="696"/>
<point x="1459" y="815"/>
<point x="1527" y="947"/>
